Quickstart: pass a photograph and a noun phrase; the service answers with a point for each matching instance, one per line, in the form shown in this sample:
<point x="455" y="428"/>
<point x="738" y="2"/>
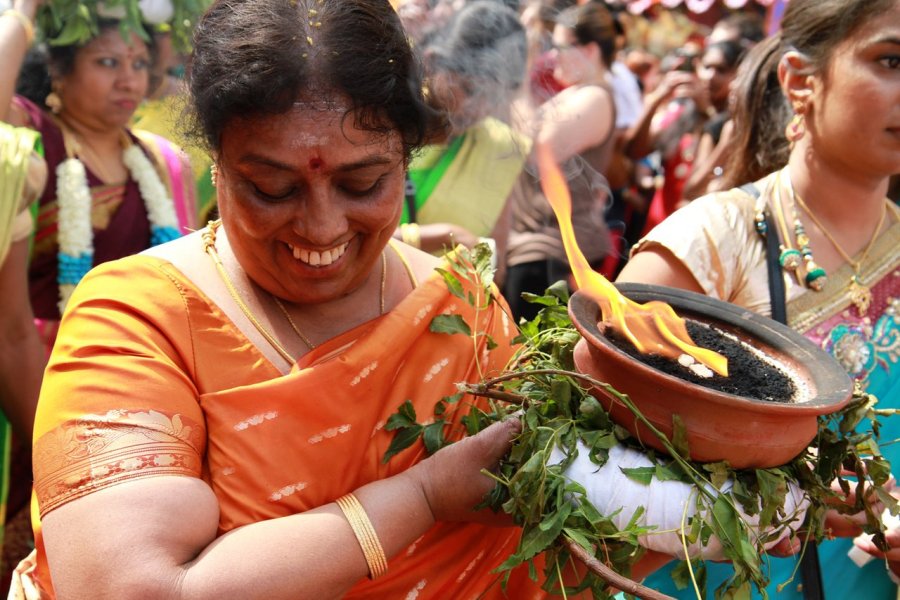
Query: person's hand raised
<point x="452" y="481"/>
<point x="675" y="84"/>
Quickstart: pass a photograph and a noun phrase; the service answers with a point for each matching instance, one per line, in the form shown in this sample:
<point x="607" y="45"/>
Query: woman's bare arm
<point x="156" y="537"/>
<point x="22" y="358"/>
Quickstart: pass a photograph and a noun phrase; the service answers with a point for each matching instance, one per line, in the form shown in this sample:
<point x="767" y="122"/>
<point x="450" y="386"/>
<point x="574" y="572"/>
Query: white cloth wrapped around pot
<point x="668" y="504"/>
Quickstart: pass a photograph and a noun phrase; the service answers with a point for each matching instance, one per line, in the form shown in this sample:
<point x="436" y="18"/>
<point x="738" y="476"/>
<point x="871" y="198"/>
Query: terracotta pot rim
<point x="819" y="365"/>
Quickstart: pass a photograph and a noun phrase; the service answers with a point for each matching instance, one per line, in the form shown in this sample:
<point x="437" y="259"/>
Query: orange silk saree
<point x="149" y="377"/>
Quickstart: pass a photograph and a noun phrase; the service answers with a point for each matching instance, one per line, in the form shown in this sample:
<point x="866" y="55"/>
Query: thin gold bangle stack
<point x="365" y="534"/>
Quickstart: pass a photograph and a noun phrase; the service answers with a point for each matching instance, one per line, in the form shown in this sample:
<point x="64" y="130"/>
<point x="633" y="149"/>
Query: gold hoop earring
<point x="53" y="102"/>
<point x="214" y="175"/>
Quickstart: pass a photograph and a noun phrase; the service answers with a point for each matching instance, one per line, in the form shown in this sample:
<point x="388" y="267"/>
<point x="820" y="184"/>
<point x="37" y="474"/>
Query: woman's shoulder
<point x="25" y="113"/>
<point x="419" y="264"/>
<point x="132" y="276"/>
<point x="151" y="139"/>
<point x="711" y="220"/>
<point x="590" y="95"/>
<point x="151" y="279"/>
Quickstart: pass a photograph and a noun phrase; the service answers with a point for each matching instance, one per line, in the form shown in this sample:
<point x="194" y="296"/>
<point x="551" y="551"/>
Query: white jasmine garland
<point x="75" y="234"/>
<point x="160" y="208"/>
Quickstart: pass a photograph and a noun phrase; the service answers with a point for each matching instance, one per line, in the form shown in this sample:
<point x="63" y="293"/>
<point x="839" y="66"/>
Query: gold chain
<point x="82" y="150"/>
<point x="293" y="325"/>
<point x="856" y="265"/>
<point x="860" y="295"/>
<point x="209" y="245"/>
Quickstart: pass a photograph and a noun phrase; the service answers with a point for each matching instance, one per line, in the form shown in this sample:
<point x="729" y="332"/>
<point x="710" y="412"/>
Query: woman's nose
<point x="128" y="77"/>
<point x="320" y="219"/>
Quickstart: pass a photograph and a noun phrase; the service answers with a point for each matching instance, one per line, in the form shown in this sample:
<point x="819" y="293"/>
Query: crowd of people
<point x="200" y="411"/>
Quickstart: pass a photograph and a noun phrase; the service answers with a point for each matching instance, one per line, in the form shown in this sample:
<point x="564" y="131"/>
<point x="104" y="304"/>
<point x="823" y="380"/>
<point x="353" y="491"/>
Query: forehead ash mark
<point x="306" y="139"/>
<point x="320" y="105"/>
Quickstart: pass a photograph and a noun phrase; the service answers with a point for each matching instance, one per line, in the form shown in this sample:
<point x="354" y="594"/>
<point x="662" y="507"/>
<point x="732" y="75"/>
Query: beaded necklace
<point x="812" y="274"/>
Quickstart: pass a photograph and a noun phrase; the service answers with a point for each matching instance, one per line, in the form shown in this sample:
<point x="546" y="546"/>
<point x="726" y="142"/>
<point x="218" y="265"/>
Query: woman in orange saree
<point x="216" y="410"/>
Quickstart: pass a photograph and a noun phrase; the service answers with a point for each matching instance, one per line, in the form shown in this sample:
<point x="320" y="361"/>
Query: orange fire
<point x="652" y="327"/>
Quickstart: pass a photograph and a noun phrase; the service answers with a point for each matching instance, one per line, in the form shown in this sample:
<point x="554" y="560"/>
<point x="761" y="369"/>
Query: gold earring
<point x="214" y="175"/>
<point x="795" y="129"/>
<point x="53" y="102"/>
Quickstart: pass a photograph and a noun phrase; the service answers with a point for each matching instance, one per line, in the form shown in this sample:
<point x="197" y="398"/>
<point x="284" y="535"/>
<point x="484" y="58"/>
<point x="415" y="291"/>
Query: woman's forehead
<point x="327" y="128"/>
<point x="111" y="40"/>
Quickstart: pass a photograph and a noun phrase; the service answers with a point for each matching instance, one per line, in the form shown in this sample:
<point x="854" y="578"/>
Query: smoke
<point x="476" y="63"/>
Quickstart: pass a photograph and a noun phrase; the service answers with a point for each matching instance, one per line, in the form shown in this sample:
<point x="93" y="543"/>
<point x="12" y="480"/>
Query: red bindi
<point x="316" y="163"/>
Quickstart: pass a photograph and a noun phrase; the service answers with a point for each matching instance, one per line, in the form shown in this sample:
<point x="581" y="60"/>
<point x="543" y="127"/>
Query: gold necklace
<point x="860" y="295"/>
<point x="296" y="329"/>
<point x="209" y="246"/>
<point x="77" y="146"/>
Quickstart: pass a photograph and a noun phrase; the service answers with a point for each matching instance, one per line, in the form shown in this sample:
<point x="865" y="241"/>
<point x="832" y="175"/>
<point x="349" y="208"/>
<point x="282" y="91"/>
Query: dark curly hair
<point x="258" y="57"/>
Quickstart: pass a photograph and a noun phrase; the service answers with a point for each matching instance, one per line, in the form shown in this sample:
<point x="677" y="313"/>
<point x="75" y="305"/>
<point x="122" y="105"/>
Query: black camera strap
<point x="810" y="568"/>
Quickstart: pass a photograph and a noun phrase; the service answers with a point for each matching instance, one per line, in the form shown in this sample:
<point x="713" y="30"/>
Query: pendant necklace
<point x="859" y="293"/>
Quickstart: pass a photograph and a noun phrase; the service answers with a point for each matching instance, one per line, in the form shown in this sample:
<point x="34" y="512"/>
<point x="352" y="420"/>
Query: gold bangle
<point x="23" y="19"/>
<point x="365" y="534"/>
<point x="410" y="234"/>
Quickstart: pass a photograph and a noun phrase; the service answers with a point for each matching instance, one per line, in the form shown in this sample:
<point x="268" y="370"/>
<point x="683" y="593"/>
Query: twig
<point x="629" y="586"/>
<point x="480" y="390"/>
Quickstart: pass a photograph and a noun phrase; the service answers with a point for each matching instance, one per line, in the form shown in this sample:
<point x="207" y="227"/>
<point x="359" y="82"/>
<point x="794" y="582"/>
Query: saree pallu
<point x="155" y="379"/>
<point x="715" y="238"/>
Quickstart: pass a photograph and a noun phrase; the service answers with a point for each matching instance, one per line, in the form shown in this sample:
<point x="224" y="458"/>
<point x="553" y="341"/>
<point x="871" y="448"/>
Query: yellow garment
<point x="161" y="117"/>
<point x="16" y="146"/>
<point x="474" y="189"/>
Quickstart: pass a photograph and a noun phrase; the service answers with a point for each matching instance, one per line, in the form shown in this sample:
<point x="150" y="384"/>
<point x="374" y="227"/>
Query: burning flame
<point x="651" y="327"/>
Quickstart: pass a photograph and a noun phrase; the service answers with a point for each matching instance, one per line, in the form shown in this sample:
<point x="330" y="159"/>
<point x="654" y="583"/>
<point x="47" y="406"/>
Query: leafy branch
<point x="76" y="22"/>
<point x="543" y="389"/>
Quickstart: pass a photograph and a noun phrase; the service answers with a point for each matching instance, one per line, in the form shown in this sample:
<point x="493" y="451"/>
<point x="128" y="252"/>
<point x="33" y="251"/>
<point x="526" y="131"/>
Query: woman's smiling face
<point x="308" y="199"/>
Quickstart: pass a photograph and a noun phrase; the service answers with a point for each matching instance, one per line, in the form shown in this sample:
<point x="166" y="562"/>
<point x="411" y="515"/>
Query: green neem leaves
<point x="557" y="412"/>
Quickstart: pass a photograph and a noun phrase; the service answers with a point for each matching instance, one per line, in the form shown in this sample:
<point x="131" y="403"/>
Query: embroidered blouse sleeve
<point x="118" y="400"/>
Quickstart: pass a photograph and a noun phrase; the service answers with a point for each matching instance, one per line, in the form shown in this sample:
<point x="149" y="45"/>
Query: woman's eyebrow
<point x="369" y="161"/>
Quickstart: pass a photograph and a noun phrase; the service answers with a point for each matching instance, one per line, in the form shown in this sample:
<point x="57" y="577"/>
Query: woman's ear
<point x="594" y="53"/>
<point x="796" y="79"/>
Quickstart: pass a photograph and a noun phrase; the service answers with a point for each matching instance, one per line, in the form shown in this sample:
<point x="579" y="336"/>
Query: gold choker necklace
<point x="209" y="246"/>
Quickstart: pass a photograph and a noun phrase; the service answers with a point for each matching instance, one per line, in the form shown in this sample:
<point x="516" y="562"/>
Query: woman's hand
<point x="452" y="481"/>
<point x="838" y="524"/>
<point x="673" y="84"/>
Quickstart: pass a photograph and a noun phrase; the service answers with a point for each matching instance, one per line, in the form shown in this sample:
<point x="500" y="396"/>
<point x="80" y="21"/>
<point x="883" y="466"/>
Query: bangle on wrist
<point x="410" y="234"/>
<point x="365" y="534"/>
<point x="23" y="20"/>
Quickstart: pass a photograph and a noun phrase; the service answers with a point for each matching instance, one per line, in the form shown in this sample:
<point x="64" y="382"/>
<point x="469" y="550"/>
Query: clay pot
<point x="748" y="433"/>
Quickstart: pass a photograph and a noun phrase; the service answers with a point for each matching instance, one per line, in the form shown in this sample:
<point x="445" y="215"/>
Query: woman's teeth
<point x="318" y="259"/>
